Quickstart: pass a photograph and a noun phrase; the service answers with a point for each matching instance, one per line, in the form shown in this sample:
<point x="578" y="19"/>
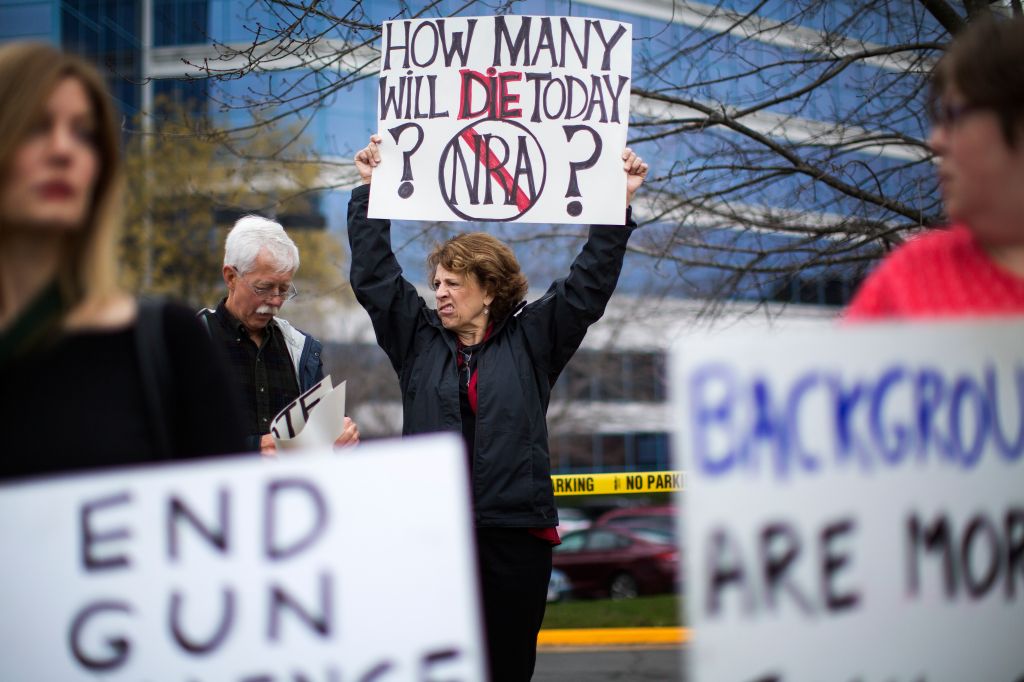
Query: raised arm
<point x="636" y="172"/>
<point x="394" y="306"/>
<point x="556" y="323"/>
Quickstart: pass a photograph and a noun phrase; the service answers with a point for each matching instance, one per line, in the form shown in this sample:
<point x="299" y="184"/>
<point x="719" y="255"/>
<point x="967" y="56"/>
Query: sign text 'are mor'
<point x="854" y="508"/>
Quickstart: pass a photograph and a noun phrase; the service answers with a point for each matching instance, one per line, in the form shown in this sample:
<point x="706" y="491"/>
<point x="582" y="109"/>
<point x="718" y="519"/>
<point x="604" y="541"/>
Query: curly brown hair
<point x="490" y="261"/>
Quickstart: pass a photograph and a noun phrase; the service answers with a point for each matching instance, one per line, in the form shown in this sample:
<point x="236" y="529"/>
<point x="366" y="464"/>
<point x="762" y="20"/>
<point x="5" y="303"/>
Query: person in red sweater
<point x="975" y="267"/>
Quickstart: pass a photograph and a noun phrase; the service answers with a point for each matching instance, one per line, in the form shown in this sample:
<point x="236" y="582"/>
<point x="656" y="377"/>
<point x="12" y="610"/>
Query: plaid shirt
<point x="264" y="376"/>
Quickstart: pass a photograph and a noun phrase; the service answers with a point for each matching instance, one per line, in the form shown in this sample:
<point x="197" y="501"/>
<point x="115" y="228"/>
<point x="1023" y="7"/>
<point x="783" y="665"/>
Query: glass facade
<point x="27" y="20"/>
<point x="181" y="22"/>
<point x="107" y="32"/>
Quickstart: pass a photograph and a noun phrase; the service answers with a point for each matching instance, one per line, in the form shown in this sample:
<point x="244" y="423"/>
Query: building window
<point x="572" y="453"/>
<point x="610" y="370"/>
<point x="575" y="382"/>
<point x="608" y="376"/>
<point x="183" y="96"/>
<point x="107" y="34"/>
<point x="180" y="22"/>
<point x="648" y="377"/>
<point x="32" y="20"/>
<point x="651" y="451"/>
<point x="612" y="451"/>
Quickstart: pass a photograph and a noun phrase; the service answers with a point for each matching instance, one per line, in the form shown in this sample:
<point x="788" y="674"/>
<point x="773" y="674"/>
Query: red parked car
<point x="620" y="563"/>
<point x="659" y="518"/>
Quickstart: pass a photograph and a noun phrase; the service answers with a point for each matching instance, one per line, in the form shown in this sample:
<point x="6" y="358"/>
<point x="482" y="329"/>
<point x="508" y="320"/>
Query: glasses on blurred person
<point x="949" y="115"/>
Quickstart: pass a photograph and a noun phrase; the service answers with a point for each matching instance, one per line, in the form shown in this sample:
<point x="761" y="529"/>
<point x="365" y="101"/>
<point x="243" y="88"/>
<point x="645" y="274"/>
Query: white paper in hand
<point x="314" y="419"/>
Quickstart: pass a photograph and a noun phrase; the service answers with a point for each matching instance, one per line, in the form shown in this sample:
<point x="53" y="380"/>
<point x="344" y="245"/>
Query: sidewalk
<point x="612" y="637"/>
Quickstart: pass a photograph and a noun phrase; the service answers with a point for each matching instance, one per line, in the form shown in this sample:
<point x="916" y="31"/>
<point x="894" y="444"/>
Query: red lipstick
<point x="56" y="189"/>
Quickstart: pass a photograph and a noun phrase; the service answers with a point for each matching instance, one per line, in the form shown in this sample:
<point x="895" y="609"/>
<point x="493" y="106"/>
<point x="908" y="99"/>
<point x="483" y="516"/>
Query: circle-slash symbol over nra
<point x="492" y="170"/>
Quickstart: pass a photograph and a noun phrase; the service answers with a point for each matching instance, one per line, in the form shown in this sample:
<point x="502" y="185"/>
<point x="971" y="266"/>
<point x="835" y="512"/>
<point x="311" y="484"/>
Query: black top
<point x="78" y="402"/>
<point x="516" y="365"/>
<point x="263" y="375"/>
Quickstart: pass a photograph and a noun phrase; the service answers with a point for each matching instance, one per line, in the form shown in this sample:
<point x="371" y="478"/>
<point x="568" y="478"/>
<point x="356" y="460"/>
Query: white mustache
<point x="268" y="309"/>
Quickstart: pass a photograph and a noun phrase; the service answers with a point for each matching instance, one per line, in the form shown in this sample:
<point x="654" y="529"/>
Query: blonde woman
<point x="77" y="384"/>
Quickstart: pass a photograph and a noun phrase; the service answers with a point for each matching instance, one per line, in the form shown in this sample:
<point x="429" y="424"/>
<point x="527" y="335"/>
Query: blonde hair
<point x="29" y="72"/>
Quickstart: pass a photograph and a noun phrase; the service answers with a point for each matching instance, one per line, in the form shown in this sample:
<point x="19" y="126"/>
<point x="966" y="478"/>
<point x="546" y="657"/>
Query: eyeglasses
<point x="949" y="115"/>
<point x="285" y="293"/>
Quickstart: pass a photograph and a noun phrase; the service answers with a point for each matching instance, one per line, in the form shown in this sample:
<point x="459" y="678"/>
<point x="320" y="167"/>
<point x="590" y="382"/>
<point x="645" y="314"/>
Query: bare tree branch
<point x="789" y="139"/>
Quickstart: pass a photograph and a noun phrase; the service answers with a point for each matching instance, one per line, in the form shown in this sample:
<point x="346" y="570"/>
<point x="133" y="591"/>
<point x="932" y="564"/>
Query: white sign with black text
<point x="503" y="118"/>
<point x="314" y="419"/>
<point x="854" y="508"/>
<point x="312" y="567"/>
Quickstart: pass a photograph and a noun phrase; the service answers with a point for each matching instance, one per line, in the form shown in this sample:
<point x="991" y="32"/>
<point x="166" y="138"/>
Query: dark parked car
<point x="620" y="563"/>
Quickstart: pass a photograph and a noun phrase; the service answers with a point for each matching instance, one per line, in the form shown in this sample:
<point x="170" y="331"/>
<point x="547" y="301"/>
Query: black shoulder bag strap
<point x="204" y="315"/>
<point x="151" y="350"/>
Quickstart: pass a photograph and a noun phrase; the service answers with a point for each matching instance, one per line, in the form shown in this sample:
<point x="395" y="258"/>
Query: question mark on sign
<point x="575" y="207"/>
<point x="405" y="189"/>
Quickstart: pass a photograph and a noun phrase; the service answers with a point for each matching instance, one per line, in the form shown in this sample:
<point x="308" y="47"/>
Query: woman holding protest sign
<point x="88" y="378"/>
<point x="976" y="266"/>
<point x="483" y="363"/>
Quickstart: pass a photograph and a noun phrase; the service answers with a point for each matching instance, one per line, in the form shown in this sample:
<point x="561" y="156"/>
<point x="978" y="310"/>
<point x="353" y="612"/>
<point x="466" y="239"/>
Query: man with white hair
<point x="270" y="362"/>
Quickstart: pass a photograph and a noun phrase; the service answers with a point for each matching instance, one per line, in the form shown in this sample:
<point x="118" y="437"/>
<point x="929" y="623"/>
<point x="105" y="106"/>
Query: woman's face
<point x="980" y="174"/>
<point x="460" y="301"/>
<point x="52" y="175"/>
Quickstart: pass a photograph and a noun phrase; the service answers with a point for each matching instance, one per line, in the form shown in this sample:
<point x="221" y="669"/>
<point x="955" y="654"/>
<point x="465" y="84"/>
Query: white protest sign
<point x="300" y="426"/>
<point x="312" y="568"/>
<point x="855" y="503"/>
<point x="505" y="118"/>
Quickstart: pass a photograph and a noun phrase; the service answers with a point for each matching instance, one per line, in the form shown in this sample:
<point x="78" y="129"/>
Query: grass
<point x="659" y="611"/>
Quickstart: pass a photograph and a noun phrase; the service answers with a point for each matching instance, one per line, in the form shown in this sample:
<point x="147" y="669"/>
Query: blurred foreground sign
<point x="311" y="567"/>
<point x="855" y="503"/>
